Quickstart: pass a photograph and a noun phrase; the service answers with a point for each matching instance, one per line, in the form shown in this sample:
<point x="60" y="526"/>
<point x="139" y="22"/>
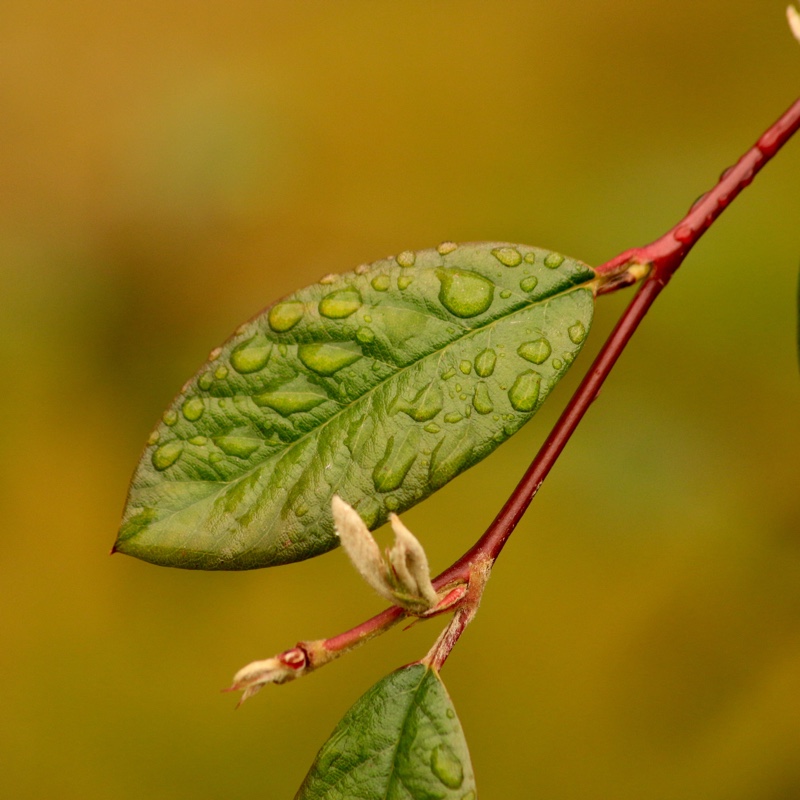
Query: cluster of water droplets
<point x="315" y="339"/>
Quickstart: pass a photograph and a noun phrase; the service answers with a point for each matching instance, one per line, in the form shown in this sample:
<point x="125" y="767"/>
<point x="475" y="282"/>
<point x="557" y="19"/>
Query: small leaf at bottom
<point x="400" y="740"/>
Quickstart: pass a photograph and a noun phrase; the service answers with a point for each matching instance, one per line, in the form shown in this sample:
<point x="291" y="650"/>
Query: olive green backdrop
<point x="167" y="168"/>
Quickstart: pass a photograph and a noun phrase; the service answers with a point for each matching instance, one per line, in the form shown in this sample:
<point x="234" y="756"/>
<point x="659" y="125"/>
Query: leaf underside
<point x="400" y="740"/>
<point x="380" y="385"/>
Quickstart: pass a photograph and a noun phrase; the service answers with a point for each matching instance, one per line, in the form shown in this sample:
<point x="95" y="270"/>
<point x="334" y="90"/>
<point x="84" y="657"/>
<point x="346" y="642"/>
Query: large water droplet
<point x="198" y="441"/>
<point x="464" y="293"/>
<point x="525" y="391"/>
<point x="329" y="357"/>
<point x="482" y="399"/>
<point x="381" y="283"/>
<point x="528" y="284"/>
<point x="427" y="403"/>
<point x="404" y="281"/>
<point x="167" y="455"/>
<point x="193" y="409"/>
<point x="446" y="247"/>
<point x="397" y="460"/>
<point x="290" y="400"/>
<point x="251" y="357"/>
<point x="237" y="446"/>
<point x="447" y="767"/>
<point x="453" y="417"/>
<point x="553" y="260"/>
<point x="285" y="316"/>
<point x="509" y="256"/>
<point x="340" y="304"/>
<point x="536" y="352"/>
<point x="451" y="456"/>
<point x="484" y="363"/>
<point x="576" y="332"/>
<point x="466" y="367"/>
<point x="406" y="258"/>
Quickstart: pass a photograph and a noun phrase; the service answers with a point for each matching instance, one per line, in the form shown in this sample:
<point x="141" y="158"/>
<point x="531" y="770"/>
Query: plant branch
<point x="662" y="257"/>
<point x="656" y="263"/>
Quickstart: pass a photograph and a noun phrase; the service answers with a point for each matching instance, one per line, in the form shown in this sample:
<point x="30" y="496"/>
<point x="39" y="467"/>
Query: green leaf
<point x="380" y="385"/>
<point x="401" y="740"/>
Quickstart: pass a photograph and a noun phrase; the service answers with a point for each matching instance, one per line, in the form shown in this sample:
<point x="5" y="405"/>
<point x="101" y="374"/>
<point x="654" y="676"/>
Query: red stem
<point x="663" y="257"/>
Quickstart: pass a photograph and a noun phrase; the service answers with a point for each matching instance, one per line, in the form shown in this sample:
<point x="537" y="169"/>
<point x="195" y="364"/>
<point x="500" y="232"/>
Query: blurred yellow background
<point x="167" y="168"/>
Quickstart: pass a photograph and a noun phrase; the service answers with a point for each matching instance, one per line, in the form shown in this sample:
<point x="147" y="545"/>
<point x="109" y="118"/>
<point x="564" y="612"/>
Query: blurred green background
<point x="167" y="168"/>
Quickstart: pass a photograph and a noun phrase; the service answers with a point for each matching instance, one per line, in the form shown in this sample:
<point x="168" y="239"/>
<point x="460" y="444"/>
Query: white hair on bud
<point x="360" y="546"/>
<point x="410" y="563"/>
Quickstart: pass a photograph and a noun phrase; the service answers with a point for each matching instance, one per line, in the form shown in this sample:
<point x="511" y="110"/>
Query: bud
<point x="793" y="16"/>
<point x="284" y="667"/>
<point x="403" y="577"/>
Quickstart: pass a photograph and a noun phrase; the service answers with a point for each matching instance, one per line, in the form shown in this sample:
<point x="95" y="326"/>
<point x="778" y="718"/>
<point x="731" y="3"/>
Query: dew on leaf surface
<point x="464" y="293"/>
<point x="166" y="455"/>
<point x="525" y="391"/>
<point x="447" y="767"/>
<point x="537" y="352"/>
<point x="340" y="304"/>
<point x="508" y="256"/>
<point x="484" y="363"/>
<point x="249" y="357"/>
<point x="284" y="316"/>
<point x="328" y="358"/>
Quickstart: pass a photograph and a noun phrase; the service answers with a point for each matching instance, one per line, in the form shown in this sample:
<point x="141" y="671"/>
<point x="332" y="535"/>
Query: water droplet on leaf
<point x="525" y="391"/>
<point x="205" y="380"/>
<point x="237" y="446"/>
<point x="406" y="259"/>
<point x="285" y="316"/>
<point x="392" y="469"/>
<point x="193" y="409"/>
<point x="170" y="416"/>
<point x="249" y="357"/>
<point x="536" y="352"/>
<point x="328" y="358"/>
<point x="447" y="767"/>
<point x="365" y="335"/>
<point x="340" y="304"/>
<point x="446" y="247"/>
<point x="288" y="401"/>
<point x="464" y="293"/>
<point x="482" y="399"/>
<point x="577" y="333"/>
<point x="167" y="455"/>
<point x="465" y="367"/>
<point x="381" y="283"/>
<point x="528" y="284"/>
<point x="553" y="260"/>
<point x="484" y="363"/>
<point x="509" y="256"/>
